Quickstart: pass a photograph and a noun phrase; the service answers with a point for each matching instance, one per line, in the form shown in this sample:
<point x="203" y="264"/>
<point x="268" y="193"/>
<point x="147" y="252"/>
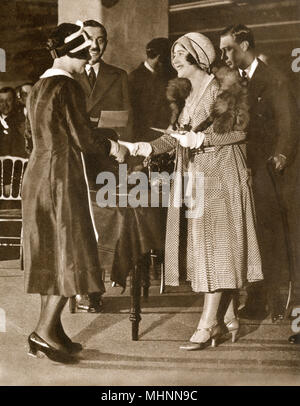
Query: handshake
<point x="121" y="150"/>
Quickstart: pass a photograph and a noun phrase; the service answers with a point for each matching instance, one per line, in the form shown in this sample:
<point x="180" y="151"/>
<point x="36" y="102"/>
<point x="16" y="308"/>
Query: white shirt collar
<point x="251" y="68"/>
<point x="56" y="72"/>
<point x="147" y="66"/>
<point x="3" y="121"/>
<point x="96" y="68"/>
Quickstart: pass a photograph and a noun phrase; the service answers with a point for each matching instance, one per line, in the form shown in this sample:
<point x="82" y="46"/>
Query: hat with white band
<point x="69" y="39"/>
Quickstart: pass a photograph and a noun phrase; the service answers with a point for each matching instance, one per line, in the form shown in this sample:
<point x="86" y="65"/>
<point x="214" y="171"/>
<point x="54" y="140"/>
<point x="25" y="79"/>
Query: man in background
<point x="12" y="124"/>
<point x="147" y="89"/>
<point x="107" y="101"/>
<point x="106" y="92"/>
<point x="272" y="138"/>
<point x="22" y="92"/>
<point x="150" y="108"/>
<point x="12" y="142"/>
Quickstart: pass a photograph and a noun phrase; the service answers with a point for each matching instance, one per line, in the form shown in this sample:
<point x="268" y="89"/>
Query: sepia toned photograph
<point x="149" y="195"/>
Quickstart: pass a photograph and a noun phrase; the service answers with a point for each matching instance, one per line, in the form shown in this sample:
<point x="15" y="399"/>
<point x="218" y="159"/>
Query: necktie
<point x="245" y="77"/>
<point x="92" y="77"/>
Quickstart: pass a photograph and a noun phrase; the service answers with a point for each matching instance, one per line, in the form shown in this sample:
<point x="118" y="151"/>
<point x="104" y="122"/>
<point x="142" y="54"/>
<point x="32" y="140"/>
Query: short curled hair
<point x="240" y="33"/>
<point x="191" y="59"/>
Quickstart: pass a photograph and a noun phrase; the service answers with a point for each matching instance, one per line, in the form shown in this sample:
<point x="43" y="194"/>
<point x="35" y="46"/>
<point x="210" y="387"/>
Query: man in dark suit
<point x="106" y="92"/>
<point x="272" y="138"/>
<point x="147" y="89"/>
<point x="12" y="142"/>
<point x="12" y="124"/>
<point x="150" y="107"/>
<point x="23" y="92"/>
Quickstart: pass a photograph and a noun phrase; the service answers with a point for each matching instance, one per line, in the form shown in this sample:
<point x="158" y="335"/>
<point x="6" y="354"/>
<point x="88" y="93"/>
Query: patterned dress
<point x="218" y="248"/>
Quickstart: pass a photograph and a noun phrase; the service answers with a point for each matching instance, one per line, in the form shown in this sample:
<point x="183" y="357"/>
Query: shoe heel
<point x="72" y="304"/>
<point x="214" y="342"/>
<point x="234" y="335"/>
<point x="32" y="349"/>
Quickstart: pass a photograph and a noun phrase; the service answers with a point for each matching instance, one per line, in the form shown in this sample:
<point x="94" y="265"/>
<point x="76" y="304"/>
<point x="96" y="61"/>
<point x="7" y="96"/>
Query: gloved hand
<point x="119" y="152"/>
<point x="189" y="139"/>
<point x="141" y="149"/>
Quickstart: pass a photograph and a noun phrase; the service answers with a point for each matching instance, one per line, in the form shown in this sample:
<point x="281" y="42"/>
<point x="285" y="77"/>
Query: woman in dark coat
<point x="60" y="247"/>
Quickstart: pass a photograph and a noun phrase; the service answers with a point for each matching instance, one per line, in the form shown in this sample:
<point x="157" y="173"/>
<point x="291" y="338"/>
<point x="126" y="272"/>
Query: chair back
<point x="12" y="170"/>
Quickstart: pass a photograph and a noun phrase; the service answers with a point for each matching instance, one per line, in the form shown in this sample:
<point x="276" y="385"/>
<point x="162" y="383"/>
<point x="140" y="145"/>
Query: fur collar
<point x="230" y="111"/>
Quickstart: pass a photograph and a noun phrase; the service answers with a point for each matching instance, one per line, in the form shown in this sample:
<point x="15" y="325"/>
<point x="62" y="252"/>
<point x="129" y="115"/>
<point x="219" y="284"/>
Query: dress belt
<point x="213" y="148"/>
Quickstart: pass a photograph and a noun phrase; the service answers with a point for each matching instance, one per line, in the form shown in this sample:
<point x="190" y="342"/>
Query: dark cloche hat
<point x="69" y="39"/>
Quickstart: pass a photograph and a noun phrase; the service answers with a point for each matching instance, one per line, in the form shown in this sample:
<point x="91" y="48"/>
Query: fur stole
<point x="230" y="111"/>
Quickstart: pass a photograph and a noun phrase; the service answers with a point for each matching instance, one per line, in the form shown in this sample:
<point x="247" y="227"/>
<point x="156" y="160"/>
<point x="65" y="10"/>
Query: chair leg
<point x="72" y="304"/>
<point x="21" y="259"/>
<point x="162" y="278"/>
<point x="21" y="251"/>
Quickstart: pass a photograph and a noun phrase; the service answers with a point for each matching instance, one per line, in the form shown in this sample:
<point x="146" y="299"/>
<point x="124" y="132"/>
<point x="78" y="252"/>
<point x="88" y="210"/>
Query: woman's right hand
<point x="141" y="149"/>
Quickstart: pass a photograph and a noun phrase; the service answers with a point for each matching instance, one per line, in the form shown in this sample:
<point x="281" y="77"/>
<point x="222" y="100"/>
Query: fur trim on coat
<point x="230" y="111"/>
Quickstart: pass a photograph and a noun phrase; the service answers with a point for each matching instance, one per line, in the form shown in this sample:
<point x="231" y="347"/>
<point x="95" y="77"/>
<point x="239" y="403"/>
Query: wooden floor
<point x="261" y="356"/>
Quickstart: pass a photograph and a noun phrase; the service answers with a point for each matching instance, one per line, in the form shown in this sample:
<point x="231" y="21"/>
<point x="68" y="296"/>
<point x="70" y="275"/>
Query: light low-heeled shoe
<point x="212" y="334"/>
<point x="233" y="328"/>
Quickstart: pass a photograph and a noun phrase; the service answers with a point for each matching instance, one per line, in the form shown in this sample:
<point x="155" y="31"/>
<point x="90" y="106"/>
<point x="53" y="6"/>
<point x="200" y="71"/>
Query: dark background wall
<point x="24" y="28"/>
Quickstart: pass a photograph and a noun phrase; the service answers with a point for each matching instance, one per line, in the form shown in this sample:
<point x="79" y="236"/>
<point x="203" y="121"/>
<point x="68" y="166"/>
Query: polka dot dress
<point x="217" y="248"/>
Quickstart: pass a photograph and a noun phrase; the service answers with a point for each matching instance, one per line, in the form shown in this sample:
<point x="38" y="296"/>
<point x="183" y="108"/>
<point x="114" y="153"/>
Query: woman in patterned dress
<point x="216" y="245"/>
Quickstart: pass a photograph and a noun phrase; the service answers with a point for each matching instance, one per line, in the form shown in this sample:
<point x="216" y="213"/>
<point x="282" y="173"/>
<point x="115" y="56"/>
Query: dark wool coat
<point x="60" y="248"/>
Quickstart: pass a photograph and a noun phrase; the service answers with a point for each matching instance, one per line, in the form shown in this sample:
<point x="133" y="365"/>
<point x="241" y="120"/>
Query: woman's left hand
<point x="189" y="139"/>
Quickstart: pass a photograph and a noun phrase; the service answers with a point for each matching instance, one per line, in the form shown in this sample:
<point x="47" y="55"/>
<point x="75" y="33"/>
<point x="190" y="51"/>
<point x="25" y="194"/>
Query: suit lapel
<point x="257" y="83"/>
<point x="105" y="79"/>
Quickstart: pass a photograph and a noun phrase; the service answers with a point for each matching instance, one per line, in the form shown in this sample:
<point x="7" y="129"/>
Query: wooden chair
<point x="11" y="177"/>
